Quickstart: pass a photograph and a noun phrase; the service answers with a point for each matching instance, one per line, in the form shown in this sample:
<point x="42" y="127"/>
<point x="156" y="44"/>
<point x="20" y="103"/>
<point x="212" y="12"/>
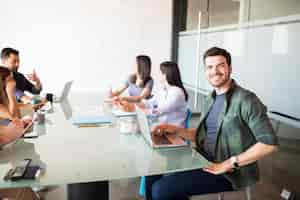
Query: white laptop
<point x="65" y="92"/>
<point x="169" y="140"/>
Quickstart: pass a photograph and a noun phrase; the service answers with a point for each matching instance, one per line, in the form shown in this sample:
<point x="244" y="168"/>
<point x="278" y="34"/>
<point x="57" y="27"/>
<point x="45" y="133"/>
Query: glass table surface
<point x="70" y="154"/>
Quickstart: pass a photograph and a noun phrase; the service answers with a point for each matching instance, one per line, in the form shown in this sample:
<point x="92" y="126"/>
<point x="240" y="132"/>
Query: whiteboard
<point x="265" y="60"/>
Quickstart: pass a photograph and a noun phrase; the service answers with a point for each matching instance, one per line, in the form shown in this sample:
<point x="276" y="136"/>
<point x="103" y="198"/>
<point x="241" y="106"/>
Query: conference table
<point x="82" y="156"/>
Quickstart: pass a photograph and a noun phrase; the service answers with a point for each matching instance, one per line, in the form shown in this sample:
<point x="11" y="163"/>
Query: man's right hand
<point x="165" y="128"/>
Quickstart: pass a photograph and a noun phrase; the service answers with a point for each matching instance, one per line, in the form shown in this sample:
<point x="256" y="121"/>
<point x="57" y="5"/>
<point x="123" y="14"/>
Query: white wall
<point x="93" y="42"/>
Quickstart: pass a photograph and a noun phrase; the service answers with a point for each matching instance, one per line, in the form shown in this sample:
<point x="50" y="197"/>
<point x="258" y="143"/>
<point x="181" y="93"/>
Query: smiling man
<point x="233" y="134"/>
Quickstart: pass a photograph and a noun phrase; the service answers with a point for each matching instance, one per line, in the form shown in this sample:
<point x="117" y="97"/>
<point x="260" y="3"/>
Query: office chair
<point x="247" y="194"/>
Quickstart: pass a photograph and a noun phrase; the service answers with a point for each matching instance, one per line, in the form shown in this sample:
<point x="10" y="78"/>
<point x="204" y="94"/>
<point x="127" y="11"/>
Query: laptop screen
<point x="66" y="90"/>
<point x="144" y="125"/>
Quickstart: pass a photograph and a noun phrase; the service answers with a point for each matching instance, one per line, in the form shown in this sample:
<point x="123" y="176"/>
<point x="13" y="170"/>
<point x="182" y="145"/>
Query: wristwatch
<point x="234" y="162"/>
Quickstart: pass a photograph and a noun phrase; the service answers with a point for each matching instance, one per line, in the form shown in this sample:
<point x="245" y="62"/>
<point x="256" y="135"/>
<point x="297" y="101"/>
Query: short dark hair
<point x="172" y="72"/>
<point x="216" y="51"/>
<point x="5" y="53"/>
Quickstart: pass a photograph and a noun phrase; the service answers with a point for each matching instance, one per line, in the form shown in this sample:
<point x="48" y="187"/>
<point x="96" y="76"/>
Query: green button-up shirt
<point x="242" y="123"/>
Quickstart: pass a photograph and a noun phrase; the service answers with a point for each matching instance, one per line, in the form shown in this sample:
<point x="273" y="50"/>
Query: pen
<point x="92" y="125"/>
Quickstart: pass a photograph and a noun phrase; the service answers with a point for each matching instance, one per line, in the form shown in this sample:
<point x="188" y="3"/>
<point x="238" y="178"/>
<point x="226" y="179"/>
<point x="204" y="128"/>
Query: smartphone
<point x="32" y="172"/>
<point x="20" y="169"/>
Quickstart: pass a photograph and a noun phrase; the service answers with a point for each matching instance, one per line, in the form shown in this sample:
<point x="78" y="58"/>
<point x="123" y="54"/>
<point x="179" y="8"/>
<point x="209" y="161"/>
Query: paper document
<point x="121" y="113"/>
<point x="91" y="120"/>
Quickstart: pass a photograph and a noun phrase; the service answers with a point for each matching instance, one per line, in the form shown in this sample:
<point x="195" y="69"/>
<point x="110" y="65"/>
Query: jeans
<point x="182" y="185"/>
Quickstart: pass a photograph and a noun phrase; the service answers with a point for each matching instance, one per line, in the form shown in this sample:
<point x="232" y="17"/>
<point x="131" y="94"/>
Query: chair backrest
<point x="188" y="118"/>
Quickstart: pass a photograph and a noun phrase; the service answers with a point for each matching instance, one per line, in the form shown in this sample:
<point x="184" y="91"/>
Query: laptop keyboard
<point x="159" y="140"/>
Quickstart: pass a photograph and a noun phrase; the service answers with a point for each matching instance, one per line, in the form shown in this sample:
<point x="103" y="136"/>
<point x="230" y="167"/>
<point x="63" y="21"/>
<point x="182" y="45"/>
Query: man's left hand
<point x="219" y="168"/>
<point x="33" y="77"/>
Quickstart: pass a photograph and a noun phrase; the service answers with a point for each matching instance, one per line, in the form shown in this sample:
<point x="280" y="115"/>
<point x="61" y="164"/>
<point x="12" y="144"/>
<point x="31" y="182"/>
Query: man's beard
<point x="220" y="84"/>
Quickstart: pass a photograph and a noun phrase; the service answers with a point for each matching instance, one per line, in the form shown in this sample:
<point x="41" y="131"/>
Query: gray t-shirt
<point x="135" y="90"/>
<point x="211" y="125"/>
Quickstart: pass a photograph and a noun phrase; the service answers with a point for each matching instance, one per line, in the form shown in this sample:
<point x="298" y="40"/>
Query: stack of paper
<point x="91" y="120"/>
<point x="120" y="113"/>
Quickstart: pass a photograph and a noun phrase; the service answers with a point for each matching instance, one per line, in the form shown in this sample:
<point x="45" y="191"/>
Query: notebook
<point x="121" y="113"/>
<point x="91" y="120"/>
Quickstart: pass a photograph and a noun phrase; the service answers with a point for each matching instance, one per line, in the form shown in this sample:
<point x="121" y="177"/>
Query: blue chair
<point x="142" y="189"/>
<point x="188" y="118"/>
<point x="187" y="121"/>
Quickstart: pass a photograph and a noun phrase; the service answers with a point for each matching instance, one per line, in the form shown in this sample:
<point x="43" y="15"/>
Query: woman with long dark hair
<point x="8" y="103"/>
<point x="11" y="128"/>
<point x="170" y="103"/>
<point x="139" y="84"/>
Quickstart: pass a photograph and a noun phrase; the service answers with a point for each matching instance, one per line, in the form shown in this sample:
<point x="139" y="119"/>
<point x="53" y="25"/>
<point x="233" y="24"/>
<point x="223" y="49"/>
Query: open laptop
<point x="66" y="108"/>
<point x="65" y="92"/>
<point x="170" y="140"/>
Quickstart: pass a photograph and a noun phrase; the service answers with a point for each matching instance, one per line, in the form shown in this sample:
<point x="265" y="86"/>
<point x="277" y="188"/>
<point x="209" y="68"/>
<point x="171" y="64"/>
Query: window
<point x="267" y="9"/>
<point x="193" y="8"/>
<point x="213" y="13"/>
<point x="223" y="12"/>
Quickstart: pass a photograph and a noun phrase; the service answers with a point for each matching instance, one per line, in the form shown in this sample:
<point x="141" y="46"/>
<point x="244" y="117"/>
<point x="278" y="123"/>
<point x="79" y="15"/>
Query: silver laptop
<point x="170" y="140"/>
<point x="66" y="108"/>
<point x="65" y="92"/>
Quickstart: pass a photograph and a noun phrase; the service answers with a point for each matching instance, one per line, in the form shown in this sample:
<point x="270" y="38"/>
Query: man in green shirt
<point x="234" y="133"/>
